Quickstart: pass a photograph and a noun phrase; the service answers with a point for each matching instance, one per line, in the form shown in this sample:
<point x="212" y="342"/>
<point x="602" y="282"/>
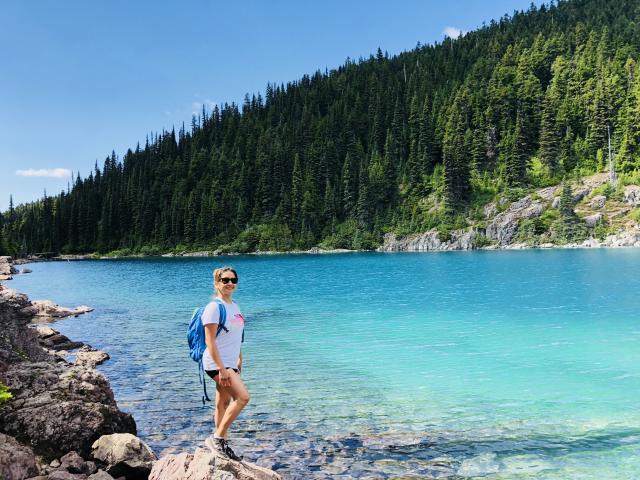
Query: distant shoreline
<point x="589" y="244"/>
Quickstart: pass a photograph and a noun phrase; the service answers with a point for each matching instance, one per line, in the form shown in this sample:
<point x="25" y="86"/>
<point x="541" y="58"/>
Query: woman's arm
<point x="210" y="331"/>
<point x="239" y="366"/>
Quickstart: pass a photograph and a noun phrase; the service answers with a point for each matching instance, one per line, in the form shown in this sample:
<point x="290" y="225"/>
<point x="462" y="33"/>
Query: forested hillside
<point x="406" y="143"/>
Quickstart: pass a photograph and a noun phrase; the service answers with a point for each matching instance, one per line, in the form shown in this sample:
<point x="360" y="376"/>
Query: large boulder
<point x="16" y="461"/>
<point x="207" y="465"/>
<point x="124" y="454"/>
<point x="593" y="220"/>
<point x="57" y="408"/>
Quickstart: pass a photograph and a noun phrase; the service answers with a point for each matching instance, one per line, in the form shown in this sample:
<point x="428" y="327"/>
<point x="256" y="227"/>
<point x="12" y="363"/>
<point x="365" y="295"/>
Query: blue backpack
<point x="197" y="345"/>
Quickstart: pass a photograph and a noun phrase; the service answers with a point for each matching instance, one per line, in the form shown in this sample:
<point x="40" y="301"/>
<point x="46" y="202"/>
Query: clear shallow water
<point x="500" y="365"/>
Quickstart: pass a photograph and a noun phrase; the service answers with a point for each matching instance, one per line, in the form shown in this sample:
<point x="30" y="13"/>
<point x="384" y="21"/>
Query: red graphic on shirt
<point x="238" y="320"/>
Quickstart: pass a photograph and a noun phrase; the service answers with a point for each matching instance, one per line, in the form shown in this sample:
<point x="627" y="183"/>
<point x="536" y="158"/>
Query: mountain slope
<point x="405" y="144"/>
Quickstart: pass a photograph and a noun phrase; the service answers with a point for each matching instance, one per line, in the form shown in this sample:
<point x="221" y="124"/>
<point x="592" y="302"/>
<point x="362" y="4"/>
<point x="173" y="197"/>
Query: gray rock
<point x="626" y="238"/>
<point x="430" y="241"/>
<point x="100" y="475"/>
<point x="64" y="475"/>
<point x="176" y="466"/>
<point x="48" y="309"/>
<point x="60" y="342"/>
<point x="632" y="195"/>
<point x="547" y="193"/>
<point x="593" y="220"/>
<point x="16" y="461"/>
<point x="580" y="193"/>
<point x="58" y="408"/>
<point x="45" y="332"/>
<point x="556" y="202"/>
<point x="505" y="225"/>
<point x="490" y="210"/>
<point x="124" y="454"/>
<point x="26" y="270"/>
<point x="598" y="201"/>
<point x="55" y="463"/>
<point x="89" y="356"/>
<point x="6" y="268"/>
<point x="18" y="343"/>
<point x="74" y="463"/>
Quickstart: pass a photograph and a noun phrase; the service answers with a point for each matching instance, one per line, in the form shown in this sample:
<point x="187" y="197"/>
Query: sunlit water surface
<point x="501" y="365"/>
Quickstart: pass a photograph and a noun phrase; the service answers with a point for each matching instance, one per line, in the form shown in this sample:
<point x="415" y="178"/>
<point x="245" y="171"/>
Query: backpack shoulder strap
<point x="223" y="317"/>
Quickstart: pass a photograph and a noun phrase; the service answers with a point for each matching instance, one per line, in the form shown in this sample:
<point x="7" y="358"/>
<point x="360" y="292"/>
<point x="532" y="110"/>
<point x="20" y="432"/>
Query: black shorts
<point x="213" y="373"/>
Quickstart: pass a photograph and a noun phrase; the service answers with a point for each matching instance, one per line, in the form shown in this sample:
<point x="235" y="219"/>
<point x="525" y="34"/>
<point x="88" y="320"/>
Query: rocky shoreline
<point x="61" y="420"/>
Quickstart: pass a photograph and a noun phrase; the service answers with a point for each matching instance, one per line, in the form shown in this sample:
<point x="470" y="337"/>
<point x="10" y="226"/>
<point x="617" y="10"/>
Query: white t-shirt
<point x="228" y="343"/>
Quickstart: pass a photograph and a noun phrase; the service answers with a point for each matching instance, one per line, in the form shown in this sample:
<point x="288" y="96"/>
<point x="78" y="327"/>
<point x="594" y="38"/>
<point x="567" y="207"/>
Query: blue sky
<point x="81" y="78"/>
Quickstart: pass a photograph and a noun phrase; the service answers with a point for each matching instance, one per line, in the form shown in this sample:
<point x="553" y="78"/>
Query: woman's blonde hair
<point x="217" y="274"/>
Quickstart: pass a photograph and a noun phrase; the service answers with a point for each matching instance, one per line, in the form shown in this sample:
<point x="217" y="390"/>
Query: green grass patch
<point x="5" y="394"/>
<point x="635" y="215"/>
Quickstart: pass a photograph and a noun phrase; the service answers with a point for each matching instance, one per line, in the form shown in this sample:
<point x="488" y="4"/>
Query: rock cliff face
<point x="423" y="242"/>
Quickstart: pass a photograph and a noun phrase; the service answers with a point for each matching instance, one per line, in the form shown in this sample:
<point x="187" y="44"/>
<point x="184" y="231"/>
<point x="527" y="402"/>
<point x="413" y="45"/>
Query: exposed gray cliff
<point x="505" y="222"/>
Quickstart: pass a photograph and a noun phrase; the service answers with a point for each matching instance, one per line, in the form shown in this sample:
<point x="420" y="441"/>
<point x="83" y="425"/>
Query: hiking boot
<point x="216" y="445"/>
<point x="230" y="453"/>
<point x="219" y="445"/>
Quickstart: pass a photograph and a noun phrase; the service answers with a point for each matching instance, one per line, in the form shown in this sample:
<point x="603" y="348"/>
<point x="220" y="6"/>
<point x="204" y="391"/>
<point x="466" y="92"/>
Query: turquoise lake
<point x="497" y="365"/>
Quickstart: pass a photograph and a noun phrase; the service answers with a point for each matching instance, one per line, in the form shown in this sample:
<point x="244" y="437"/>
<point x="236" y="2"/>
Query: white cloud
<point x="196" y="107"/>
<point x="453" y="32"/>
<point x="45" y="172"/>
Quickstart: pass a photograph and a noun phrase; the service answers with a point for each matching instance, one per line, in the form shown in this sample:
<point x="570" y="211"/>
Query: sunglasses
<point x="226" y="280"/>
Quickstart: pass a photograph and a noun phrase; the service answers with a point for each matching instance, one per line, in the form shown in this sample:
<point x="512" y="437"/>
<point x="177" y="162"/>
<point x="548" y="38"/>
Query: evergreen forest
<point x="402" y="144"/>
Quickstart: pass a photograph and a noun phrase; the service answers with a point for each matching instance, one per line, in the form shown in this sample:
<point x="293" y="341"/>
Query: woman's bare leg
<point x="241" y="397"/>
<point x="223" y="399"/>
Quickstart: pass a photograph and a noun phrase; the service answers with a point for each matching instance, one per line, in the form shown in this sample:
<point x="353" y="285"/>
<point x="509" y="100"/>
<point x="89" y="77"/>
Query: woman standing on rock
<point x="222" y="359"/>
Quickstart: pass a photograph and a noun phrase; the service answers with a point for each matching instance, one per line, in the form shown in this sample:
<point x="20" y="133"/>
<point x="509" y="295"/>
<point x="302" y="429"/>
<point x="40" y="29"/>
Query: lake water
<point x="499" y="365"/>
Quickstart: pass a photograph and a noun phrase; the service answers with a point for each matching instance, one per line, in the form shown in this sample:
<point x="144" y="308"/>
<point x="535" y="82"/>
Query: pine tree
<point x="516" y="168"/>
<point x="550" y="137"/>
<point x="456" y="169"/>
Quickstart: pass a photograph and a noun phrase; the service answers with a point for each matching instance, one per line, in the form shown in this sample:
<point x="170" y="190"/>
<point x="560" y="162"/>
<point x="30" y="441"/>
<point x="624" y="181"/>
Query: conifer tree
<point x="456" y="170"/>
<point x="516" y="168"/>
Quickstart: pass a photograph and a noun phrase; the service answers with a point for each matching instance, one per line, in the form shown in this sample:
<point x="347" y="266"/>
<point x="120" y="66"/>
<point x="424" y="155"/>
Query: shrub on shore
<point x="5" y="394"/>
